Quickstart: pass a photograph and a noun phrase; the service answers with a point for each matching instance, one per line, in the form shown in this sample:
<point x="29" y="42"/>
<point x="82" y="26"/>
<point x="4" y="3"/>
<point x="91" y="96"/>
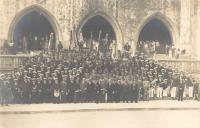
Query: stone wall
<point x="126" y="16"/>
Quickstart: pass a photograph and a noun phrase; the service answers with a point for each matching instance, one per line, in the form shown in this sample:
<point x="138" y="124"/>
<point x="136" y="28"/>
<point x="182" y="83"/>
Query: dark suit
<point x="180" y="91"/>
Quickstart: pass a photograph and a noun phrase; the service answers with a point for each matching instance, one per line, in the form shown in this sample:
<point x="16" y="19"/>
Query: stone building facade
<point x="127" y="17"/>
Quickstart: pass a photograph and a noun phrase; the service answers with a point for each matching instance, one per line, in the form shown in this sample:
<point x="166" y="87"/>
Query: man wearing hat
<point x="131" y="85"/>
<point x="152" y="87"/>
<point x="3" y="91"/>
<point x="34" y="91"/>
<point x="137" y="87"/>
<point x="90" y="91"/>
<point x="191" y="87"/>
<point x="165" y="89"/>
<point x="125" y="91"/>
<point x="146" y="85"/>
<point x="160" y="87"/>
<point x="77" y="88"/>
<point x="25" y="90"/>
<point x="181" y="87"/>
<point x="40" y="95"/>
<point x="50" y="89"/>
<point x="29" y="71"/>
<point x="45" y="89"/>
<point x="66" y="70"/>
<point x="25" y="73"/>
<point x="56" y="91"/>
<point x="108" y="96"/>
<point x="175" y="82"/>
<point x="64" y="90"/>
<point x="17" y="92"/>
<point x="97" y="92"/>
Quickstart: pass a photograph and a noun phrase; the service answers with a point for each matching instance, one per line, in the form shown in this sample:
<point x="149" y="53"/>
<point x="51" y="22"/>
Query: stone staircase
<point x="9" y="62"/>
<point x="165" y="57"/>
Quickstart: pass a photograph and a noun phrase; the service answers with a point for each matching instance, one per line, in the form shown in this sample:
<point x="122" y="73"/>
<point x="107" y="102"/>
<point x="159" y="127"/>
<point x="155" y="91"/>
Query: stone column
<point x="196" y="32"/>
<point x="1" y="22"/>
<point x="185" y="32"/>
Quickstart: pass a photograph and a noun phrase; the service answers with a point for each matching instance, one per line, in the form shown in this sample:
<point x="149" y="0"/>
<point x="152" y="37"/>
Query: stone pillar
<point x="196" y="31"/>
<point x="185" y="23"/>
<point x="3" y="20"/>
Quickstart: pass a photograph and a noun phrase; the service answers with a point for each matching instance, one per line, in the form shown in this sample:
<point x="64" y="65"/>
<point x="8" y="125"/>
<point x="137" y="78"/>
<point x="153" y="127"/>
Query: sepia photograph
<point x="99" y="63"/>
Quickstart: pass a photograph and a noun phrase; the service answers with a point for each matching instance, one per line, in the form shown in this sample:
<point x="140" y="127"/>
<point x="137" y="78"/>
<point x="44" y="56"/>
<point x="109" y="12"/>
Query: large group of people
<point x="155" y="47"/>
<point x="87" y="76"/>
<point x="29" y="43"/>
<point x="89" y="72"/>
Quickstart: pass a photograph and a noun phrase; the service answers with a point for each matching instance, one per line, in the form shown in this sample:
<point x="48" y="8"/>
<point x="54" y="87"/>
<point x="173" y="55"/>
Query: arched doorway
<point x="155" y="32"/>
<point x="34" y="25"/>
<point x="97" y="21"/>
<point x="97" y="28"/>
<point x="95" y="25"/>
<point x="35" y="29"/>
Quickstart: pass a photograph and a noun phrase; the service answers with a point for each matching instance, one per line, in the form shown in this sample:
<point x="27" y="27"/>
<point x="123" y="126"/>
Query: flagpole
<point x="91" y="38"/>
<point x="99" y="36"/>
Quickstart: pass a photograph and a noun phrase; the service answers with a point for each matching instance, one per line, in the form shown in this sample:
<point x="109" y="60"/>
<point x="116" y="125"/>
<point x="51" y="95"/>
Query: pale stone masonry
<point x="127" y="18"/>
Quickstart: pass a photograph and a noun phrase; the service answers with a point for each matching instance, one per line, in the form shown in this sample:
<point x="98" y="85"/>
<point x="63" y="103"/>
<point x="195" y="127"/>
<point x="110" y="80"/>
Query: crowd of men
<point x="155" y="47"/>
<point x="82" y="77"/>
<point x="29" y="43"/>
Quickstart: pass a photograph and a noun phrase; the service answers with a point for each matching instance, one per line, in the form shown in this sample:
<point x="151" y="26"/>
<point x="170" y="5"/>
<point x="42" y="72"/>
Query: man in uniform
<point x="181" y="88"/>
<point x="97" y="92"/>
<point x="3" y="91"/>
<point x="71" y="88"/>
<point x="50" y="89"/>
<point x="90" y="91"/>
<point x="45" y="89"/>
<point x="152" y="87"/>
<point x="131" y="90"/>
<point x="146" y="85"/>
<point x="125" y="91"/>
<point x="165" y="89"/>
<point x="56" y="91"/>
<point x="137" y="90"/>
<point x="190" y="88"/>
<point x="81" y="42"/>
<point x="16" y="92"/>
<point x="1" y="87"/>
<point x="159" y="87"/>
<point x="117" y="91"/>
<point x="40" y="96"/>
<point x="25" y="90"/>
<point x="64" y="89"/>
<point x="175" y="82"/>
<point x="34" y="91"/>
<point x="59" y="47"/>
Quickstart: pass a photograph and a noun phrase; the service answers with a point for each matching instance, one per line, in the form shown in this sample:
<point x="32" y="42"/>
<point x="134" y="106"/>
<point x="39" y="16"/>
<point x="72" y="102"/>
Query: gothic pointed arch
<point x="41" y="10"/>
<point x="107" y="18"/>
<point x="163" y="19"/>
<point x="164" y="22"/>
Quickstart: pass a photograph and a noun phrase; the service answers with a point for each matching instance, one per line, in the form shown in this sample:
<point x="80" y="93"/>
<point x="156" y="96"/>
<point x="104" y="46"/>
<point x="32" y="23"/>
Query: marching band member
<point x="152" y="87"/>
<point x="159" y="87"/>
<point x="81" y="78"/>
<point x="56" y="91"/>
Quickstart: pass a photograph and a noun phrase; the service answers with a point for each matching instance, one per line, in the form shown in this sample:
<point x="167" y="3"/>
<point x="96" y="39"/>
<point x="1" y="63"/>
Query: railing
<point x="190" y="66"/>
<point x="9" y="62"/>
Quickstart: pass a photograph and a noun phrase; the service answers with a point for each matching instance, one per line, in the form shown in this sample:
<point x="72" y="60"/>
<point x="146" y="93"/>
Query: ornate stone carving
<point x="62" y="14"/>
<point x="40" y="1"/>
<point x="166" y="3"/>
<point x="153" y="4"/>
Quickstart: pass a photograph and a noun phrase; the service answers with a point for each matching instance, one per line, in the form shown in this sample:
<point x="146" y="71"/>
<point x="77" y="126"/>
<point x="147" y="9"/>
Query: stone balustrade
<point x="9" y="62"/>
<point x="190" y="66"/>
